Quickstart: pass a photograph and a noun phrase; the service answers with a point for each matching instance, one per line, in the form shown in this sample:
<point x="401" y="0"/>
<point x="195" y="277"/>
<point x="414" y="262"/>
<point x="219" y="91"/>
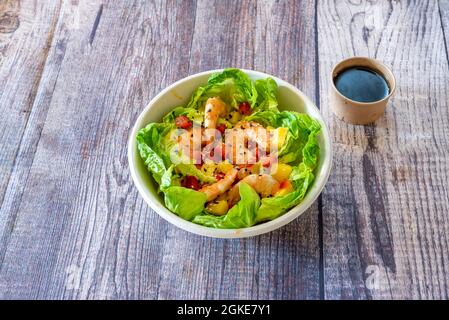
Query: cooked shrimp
<point x="246" y="142"/>
<point x="188" y="143"/>
<point x="218" y="188"/>
<point x="247" y="125"/>
<point x="215" y="107"/>
<point x="263" y="184"/>
<point x="243" y="173"/>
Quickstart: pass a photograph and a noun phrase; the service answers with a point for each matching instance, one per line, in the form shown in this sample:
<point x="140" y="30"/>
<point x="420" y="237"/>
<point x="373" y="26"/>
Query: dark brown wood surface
<point x="74" y="76"/>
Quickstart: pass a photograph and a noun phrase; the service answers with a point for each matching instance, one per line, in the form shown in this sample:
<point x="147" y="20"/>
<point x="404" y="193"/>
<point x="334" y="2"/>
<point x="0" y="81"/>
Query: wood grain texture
<point x="74" y="75"/>
<point x="443" y="7"/>
<point x="385" y="207"/>
<point x="81" y="230"/>
<point x="283" y="264"/>
<point x="26" y="33"/>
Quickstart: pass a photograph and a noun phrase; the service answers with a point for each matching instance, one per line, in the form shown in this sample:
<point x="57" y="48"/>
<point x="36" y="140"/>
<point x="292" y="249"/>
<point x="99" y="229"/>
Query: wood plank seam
<point x="95" y="26"/>
<point x="320" y="199"/>
<point x="193" y="36"/>
<point x="444" y="31"/>
<point x="34" y="92"/>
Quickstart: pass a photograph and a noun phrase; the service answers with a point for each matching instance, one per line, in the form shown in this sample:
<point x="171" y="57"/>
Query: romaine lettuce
<point x="300" y="127"/>
<point x="233" y="86"/>
<point x="188" y="169"/>
<point x="267" y="94"/>
<point x="242" y="215"/>
<point x="302" y="177"/>
<point x="186" y="203"/>
<point x="151" y="151"/>
<point x="191" y="113"/>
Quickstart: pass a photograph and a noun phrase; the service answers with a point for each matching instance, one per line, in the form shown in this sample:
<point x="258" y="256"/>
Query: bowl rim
<point x="262" y="228"/>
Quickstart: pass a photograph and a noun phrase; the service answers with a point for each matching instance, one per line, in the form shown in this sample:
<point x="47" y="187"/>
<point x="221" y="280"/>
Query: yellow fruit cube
<point x="218" y="208"/>
<point x="281" y="171"/>
<point x="285" y="188"/>
<point x="255" y="169"/>
<point x="234" y="117"/>
<point x="224" y="167"/>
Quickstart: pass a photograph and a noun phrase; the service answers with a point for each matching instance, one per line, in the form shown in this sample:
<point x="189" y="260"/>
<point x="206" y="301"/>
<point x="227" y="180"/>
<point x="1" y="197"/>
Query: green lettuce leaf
<point x="191" y="113"/>
<point x="233" y="86"/>
<point x="301" y="177"/>
<point x="188" y="169"/>
<point x="156" y="158"/>
<point x="169" y="179"/>
<point x="186" y="203"/>
<point x="301" y="128"/>
<point x="242" y="215"/>
<point x="267" y="94"/>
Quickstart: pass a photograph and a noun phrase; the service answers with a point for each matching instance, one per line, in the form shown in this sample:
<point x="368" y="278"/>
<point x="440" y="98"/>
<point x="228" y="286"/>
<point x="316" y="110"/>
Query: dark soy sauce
<point x="361" y="84"/>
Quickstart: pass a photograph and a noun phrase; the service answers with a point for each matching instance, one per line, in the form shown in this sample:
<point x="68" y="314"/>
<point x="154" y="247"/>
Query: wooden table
<point x="74" y="75"/>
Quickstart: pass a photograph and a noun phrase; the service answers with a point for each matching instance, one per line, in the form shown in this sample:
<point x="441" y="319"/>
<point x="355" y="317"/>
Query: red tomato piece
<point x="219" y="176"/>
<point x="183" y="122"/>
<point x="221" y="127"/>
<point x="245" y="108"/>
<point x="190" y="182"/>
<point x="266" y="162"/>
<point x="284" y="184"/>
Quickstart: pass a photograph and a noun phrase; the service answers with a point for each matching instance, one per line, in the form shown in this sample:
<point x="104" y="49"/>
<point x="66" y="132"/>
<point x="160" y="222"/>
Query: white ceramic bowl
<point x="290" y="98"/>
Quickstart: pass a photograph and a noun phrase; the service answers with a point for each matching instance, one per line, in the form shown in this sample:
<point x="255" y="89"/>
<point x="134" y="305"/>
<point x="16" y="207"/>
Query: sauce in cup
<point x="362" y="84"/>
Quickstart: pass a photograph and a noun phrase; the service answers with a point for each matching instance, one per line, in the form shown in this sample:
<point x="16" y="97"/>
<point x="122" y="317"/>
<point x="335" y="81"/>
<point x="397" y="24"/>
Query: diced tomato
<point x="183" y="122"/>
<point x="266" y="161"/>
<point x="219" y="176"/>
<point x="284" y="184"/>
<point x="221" y="127"/>
<point x="245" y="108"/>
<point x="190" y="182"/>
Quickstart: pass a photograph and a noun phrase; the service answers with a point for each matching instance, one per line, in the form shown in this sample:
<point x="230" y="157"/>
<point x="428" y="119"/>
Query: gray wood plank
<point x="81" y="230"/>
<point x="283" y="264"/>
<point x="385" y="206"/>
<point x="443" y="6"/>
<point x="26" y="32"/>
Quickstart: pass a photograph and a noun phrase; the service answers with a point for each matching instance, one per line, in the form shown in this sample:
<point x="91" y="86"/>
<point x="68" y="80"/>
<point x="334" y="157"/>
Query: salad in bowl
<point x="229" y="158"/>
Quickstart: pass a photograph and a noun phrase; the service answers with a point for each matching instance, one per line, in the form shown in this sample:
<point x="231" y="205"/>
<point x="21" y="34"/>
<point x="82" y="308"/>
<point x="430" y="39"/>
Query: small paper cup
<point x="356" y="112"/>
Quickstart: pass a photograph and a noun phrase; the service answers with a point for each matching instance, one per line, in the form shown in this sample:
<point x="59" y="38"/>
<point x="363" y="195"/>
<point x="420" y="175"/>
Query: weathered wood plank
<point x="385" y="207"/>
<point x="443" y="6"/>
<point x="26" y="32"/>
<point x="71" y="222"/>
<point x="282" y="264"/>
<point x="81" y="230"/>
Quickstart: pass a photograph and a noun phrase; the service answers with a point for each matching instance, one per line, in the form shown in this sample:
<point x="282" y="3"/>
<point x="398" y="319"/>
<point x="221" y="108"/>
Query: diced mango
<point x="282" y="136"/>
<point x="217" y="208"/>
<point x="234" y="117"/>
<point x="209" y="168"/>
<point x="281" y="171"/>
<point x="224" y="167"/>
<point x="278" y="137"/>
<point x="255" y="169"/>
<point x="285" y="188"/>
